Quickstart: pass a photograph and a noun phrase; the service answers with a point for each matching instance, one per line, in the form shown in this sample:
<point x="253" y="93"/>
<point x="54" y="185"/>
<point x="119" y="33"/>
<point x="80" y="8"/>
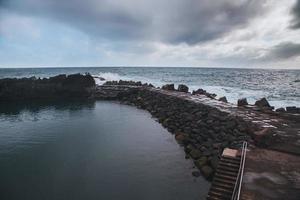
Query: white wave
<point x="108" y="76"/>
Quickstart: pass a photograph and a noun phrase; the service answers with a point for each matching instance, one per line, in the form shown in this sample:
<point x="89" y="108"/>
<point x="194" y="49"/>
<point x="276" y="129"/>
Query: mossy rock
<point x="195" y="154"/>
<point x="202" y="161"/>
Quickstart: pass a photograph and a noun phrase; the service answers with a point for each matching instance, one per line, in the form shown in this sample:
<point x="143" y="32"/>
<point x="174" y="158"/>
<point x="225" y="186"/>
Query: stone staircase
<point x="225" y="179"/>
<point x="226" y="184"/>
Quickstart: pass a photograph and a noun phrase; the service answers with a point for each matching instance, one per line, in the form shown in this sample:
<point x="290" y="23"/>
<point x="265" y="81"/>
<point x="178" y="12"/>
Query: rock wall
<point x="203" y="130"/>
<point x="57" y="87"/>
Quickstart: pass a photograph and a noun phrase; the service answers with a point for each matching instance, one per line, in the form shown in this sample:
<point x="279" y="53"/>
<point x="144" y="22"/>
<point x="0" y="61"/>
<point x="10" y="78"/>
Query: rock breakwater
<point x="203" y="125"/>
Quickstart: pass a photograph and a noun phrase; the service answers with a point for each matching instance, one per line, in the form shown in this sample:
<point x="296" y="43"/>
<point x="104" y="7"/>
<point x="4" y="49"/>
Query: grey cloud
<point x="296" y="15"/>
<point x="280" y="52"/>
<point x="284" y="50"/>
<point x="177" y="21"/>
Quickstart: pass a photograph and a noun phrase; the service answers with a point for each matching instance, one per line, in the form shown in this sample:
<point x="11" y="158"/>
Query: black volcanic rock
<point x="57" y="87"/>
<point x="262" y="103"/>
<point x="223" y="99"/>
<point x="204" y="92"/>
<point x="242" y="102"/>
<point x="292" y="109"/>
<point x="168" y="87"/>
<point x="183" y="88"/>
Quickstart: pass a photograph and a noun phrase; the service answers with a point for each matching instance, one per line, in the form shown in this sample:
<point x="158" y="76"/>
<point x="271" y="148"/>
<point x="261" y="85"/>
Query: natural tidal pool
<point x="91" y="150"/>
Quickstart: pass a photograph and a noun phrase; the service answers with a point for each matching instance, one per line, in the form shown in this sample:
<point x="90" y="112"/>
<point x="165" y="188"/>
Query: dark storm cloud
<point x="177" y="21"/>
<point x="284" y="51"/>
<point x="296" y="14"/>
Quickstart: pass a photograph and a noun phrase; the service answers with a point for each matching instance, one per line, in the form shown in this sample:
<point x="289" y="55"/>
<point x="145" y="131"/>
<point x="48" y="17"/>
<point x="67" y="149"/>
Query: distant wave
<point x="108" y="76"/>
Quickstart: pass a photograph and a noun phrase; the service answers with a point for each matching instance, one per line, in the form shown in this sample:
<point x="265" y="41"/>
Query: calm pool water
<point x="94" y="150"/>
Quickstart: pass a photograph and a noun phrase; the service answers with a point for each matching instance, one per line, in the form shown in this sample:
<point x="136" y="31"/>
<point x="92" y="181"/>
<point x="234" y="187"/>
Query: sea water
<point x="280" y="87"/>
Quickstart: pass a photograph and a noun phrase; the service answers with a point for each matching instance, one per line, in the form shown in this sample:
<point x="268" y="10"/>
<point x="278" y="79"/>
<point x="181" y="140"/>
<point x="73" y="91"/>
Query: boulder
<point x="280" y="110"/>
<point x="183" y="88"/>
<point x="292" y="109"/>
<point x="202" y="161"/>
<point x="203" y="92"/>
<point x="223" y="99"/>
<point x="262" y="103"/>
<point x="195" y="154"/>
<point x="199" y="91"/>
<point x="207" y="171"/>
<point x="168" y="87"/>
<point x="181" y="137"/>
<point x="242" y="102"/>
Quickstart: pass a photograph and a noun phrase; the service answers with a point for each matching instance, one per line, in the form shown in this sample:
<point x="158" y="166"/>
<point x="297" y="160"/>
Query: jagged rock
<point x="262" y="103"/>
<point x="183" y="88"/>
<point x="57" y="87"/>
<point x="203" y="92"/>
<point x="292" y="109"/>
<point x="280" y="110"/>
<point x="242" y="102"/>
<point x="168" y="87"/>
<point x="199" y="91"/>
<point x="223" y="99"/>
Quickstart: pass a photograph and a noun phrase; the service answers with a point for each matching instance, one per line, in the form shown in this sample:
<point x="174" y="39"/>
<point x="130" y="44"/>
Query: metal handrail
<point x="238" y="184"/>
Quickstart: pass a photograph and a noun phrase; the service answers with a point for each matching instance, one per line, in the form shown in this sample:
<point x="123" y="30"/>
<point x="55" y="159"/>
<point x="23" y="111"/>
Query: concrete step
<point x="231" y="160"/>
<point x="223" y="185"/>
<point x="227" y="168"/>
<point x="224" y="181"/>
<point x="230" y="178"/>
<point x="229" y="164"/>
<point x="225" y="172"/>
<point x="218" y="195"/>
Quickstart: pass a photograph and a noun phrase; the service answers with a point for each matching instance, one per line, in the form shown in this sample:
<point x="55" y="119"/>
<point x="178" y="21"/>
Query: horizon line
<point x="143" y="66"/>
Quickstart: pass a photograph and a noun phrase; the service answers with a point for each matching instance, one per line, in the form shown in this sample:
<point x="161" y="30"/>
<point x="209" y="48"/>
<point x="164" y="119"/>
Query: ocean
<point x="106" y="150"/>
<point x="280" y="87"/>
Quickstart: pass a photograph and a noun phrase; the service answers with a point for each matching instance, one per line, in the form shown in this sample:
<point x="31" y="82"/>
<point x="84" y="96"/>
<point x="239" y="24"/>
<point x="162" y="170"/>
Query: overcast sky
<point x="195" y="33"/>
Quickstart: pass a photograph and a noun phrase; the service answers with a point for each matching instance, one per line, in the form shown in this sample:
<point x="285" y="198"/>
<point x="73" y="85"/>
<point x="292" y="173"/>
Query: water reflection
<point x="91" y="150"/>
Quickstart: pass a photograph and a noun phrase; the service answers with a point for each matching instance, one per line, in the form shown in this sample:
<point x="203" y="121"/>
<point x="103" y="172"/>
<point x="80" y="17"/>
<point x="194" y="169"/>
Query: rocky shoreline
<point x="57" y="87"/>
<point x="203" y="129"/>
<point x="203" y="125"/>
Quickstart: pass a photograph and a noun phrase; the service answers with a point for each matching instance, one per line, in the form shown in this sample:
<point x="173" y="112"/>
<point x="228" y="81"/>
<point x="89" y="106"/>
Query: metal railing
<point x="238" y="184"/>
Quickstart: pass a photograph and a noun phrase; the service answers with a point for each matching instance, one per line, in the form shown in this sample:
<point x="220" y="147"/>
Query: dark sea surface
<point x="90" y="150"/>
<point x="280" y="87"/>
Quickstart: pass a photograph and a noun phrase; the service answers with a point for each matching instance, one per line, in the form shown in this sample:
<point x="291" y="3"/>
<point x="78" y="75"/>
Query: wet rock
<point x="183" y="88"/>
<point x="242" y="102"/>
<point x="214" y="162"/>
<point x="202" y="161"/>
<point x="207" y="171"/>
<point x="292" y="109"/>
<point x="280" y="110"/>
<point x="168" y="87"/>
<point x="223" y="99"/>
<point x="262" y="103"/>
<point x="181" y="137"/>
<point x="199" y="91"/>
<point x="204" y="92"/>
<point x="196" y="173"/>
<point x="195" y="154"/>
